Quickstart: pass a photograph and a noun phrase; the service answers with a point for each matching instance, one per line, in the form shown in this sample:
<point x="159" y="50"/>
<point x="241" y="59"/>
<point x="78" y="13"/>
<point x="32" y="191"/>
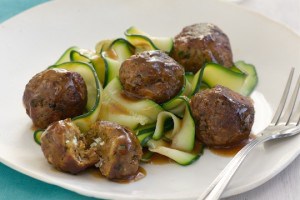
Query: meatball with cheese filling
<point x="118" y="148"/>
<point x="66" y="148"/>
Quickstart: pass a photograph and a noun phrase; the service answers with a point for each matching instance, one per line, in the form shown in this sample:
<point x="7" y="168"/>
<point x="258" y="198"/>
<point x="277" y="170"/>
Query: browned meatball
<point x="223" y="117"/>
<point x="118" y="148"/>
<point x="66" y="149"/>
<point x="54" y="94"/>
<point x="201" y="43"/>
<point x="152" y="75"/>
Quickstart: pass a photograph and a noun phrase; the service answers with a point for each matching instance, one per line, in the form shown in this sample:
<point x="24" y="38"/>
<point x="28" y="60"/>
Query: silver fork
<point x="282" y="125"/>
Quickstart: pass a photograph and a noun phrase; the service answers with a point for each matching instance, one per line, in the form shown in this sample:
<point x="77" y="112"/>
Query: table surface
<point x="286" y="185"/>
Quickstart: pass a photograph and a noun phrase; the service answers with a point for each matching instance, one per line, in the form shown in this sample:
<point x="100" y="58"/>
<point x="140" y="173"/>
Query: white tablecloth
<point x="286" y="185"/>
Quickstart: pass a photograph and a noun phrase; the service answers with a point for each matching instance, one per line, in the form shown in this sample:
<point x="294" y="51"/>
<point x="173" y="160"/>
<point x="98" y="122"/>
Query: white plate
<point x="36" y="38"/>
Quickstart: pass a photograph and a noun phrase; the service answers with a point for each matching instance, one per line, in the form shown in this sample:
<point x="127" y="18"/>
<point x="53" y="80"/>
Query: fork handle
<point x="214" y="191"/>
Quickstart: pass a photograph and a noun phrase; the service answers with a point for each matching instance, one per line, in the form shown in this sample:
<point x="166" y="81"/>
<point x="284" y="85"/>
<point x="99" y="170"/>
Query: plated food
<point x="223" y="118"/>
<point x="54" y="94"/>
<point x="151" y="75"/>
<point x="200" y="43"/>
<point x="131" y="94"/>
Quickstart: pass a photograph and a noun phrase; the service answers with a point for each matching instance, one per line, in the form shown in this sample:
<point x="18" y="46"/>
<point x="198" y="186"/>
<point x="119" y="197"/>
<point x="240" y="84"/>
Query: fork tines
<point x="289" y="117"/>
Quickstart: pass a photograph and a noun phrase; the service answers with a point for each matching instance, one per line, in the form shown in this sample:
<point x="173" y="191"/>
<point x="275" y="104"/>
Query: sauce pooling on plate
<point x="141" y="173"/>
<point x="233" y="150"/>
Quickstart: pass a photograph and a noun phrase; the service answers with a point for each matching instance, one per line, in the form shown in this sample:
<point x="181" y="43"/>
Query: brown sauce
<point x="141" y="173"/>
<point x="129" y="97"/>
<point x="33" y="127"/>
<point x="158" y="159"/>
<point x="112" y="54"/>
<point x="198" y="147"/>
<point x="94" y="172"/>
<point x="232" y="151"/>
<point x="117" y="109"/>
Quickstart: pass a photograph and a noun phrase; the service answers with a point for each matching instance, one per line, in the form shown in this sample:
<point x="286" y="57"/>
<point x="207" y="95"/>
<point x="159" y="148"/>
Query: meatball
<point x="66" y="149"/>
<point x="54" y="94"/>
<point x="201" y="43"/>
<point x="223" y="117"/>
<point x="151" y="75"/>
<point x="118" y="148"/>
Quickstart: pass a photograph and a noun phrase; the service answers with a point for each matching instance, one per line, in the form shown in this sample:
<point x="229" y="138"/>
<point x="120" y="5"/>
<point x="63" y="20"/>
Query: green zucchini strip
<point x="183" y="135"/>
<point x="214" y="74"/>
<point x="180" y="141"/>
<point x="65" y="57"/>
<point x="145" y="133"/>
<point x="197" y="81"/>
<point x="184" y="139"/>
<point x="160" y="130"/>
<point x="94" y="89"/>
<point x="91" y="57"/>
<point x="103" y="45"/>
<point x="251" y="80"/>
<point x="193" y="83"/>
<point x="243" y="83"/>
<point x="143" y="42"/>
<point x="37" y="135"/>
<point x="118" y="51"/>
<point x="175" y="104"/>
<point x="241" y="78"/>
<point x="147" y="156"/>
<point x="181" y="157"/>
<point x="125" y="111"/>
